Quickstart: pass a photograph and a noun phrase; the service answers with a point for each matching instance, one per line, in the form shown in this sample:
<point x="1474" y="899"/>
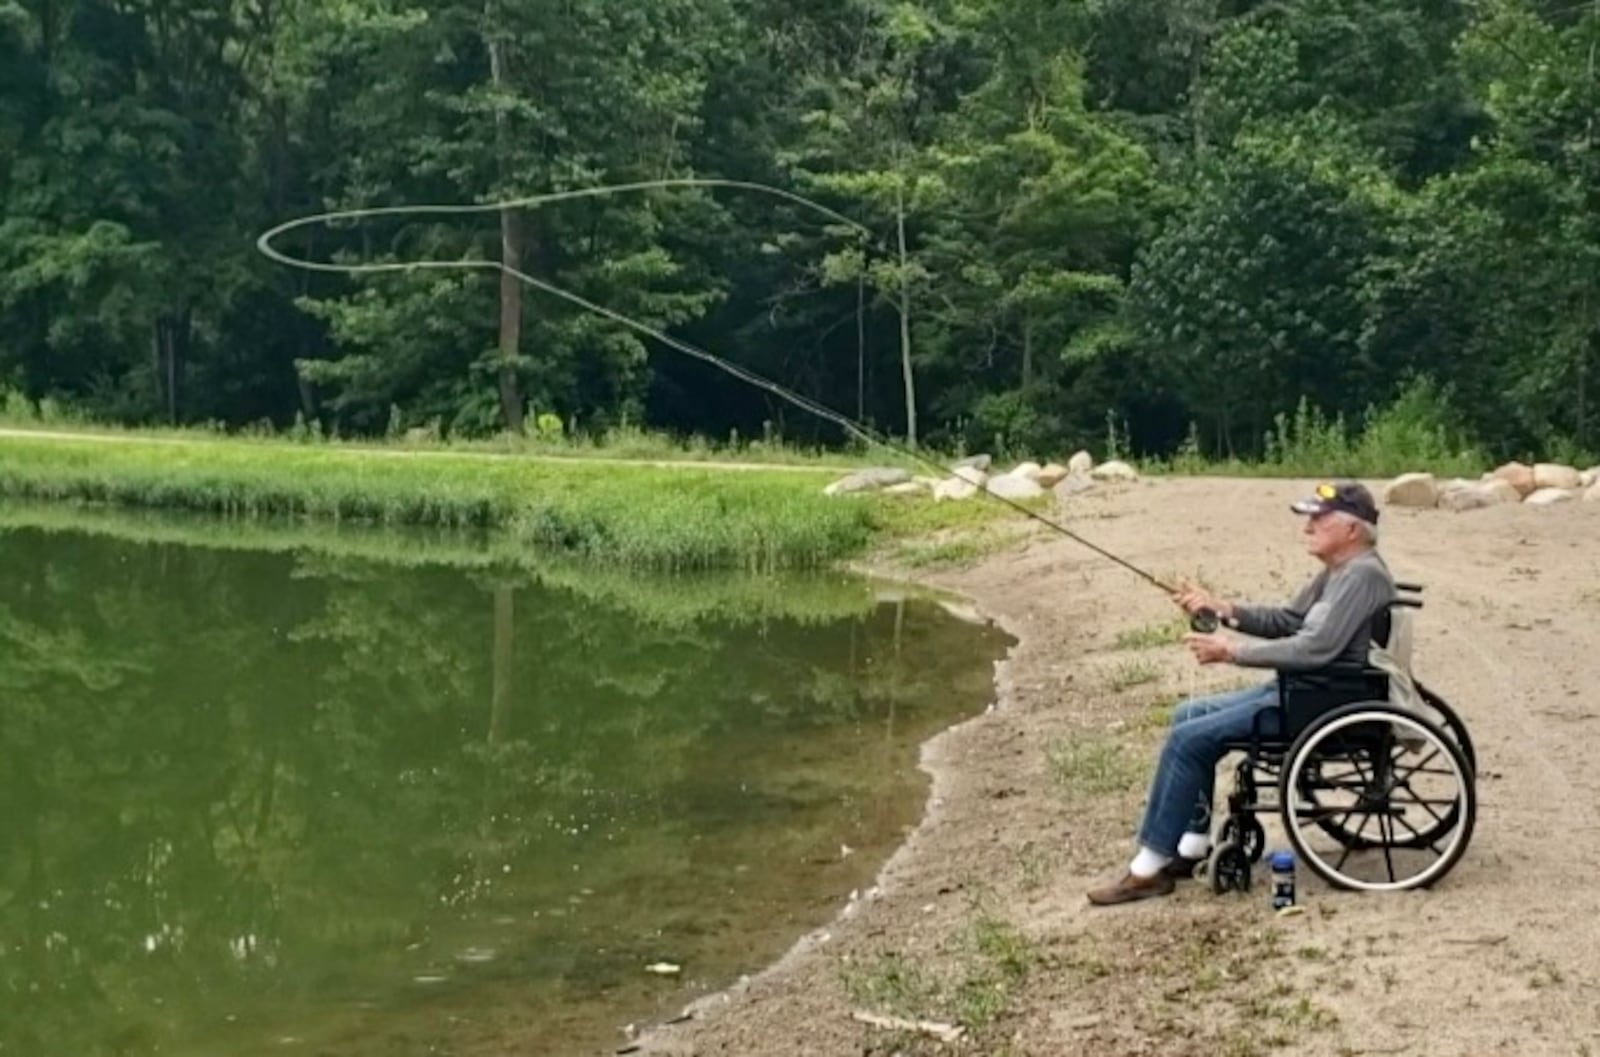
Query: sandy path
<point x="1500" y="957"/>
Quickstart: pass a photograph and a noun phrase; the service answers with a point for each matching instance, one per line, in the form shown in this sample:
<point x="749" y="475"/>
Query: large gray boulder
<point x="1550" y="497"/>
<point x="869" y="480"/>
<point x="1555" y="475"/>
<point x="1115" y="470"/>
<point x="1011" y="486"/>
<point x="1419" y="490"/>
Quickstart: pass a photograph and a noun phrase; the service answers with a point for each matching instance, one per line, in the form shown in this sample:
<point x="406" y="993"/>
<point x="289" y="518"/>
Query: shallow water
<point x="287" y="802"/>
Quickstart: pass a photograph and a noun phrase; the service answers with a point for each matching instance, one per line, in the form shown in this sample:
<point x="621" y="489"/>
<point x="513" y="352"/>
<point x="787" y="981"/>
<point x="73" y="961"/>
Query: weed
<point x="891" y="983"/>
<point x="1151" y="635"/>
<point x="1091" y="766"/>
<point x="1129" y="674"/>
<point x="1034" y="865"/>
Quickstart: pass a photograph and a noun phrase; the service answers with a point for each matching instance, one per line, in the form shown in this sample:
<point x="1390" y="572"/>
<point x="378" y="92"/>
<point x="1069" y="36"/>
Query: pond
<point x="308" y="799"/>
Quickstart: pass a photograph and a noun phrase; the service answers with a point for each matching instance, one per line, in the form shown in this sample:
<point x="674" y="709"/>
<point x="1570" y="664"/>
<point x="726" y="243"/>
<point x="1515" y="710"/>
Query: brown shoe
<point x="1181" y="869"/>
<point x="1130" y="888"/>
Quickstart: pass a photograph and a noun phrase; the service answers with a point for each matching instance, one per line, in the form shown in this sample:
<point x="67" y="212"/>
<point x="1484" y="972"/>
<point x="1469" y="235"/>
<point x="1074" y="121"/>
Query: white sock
<point x="1148" y="863"/>
<point x="1194" y="845"/>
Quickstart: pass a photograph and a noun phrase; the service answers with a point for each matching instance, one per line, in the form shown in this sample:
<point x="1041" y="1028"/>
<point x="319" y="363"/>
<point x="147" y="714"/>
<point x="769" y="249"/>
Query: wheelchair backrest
<point x="1393" y="636"/>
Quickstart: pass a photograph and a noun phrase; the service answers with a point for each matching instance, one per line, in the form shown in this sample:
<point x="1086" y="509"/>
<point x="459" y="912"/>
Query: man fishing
<point x="1328" y="620"/>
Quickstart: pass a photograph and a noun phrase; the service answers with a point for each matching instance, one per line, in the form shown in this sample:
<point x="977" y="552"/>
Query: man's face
<point x="1327" y="535"/>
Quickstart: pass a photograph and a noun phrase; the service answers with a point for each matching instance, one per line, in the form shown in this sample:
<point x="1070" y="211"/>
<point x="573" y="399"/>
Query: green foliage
<point x="1187" y="213"/>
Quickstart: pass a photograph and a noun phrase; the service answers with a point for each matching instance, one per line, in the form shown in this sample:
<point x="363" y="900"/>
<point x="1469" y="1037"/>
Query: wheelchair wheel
<point x="1250" y="837"/>
<point x="1377" y="799"/>
<point x="1443" y="716"/>
<point x="1446" y="717"/>
<point x="1228" y="868"/>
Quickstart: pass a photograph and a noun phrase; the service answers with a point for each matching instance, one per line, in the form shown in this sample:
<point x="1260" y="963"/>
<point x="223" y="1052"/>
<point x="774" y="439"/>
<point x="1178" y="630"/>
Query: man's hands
<point x="1193" y="599"/>
<point x="1210" y="649"/>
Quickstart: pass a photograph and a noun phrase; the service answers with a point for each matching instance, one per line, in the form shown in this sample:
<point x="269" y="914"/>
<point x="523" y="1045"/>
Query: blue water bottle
<point x="1282" y="879"/>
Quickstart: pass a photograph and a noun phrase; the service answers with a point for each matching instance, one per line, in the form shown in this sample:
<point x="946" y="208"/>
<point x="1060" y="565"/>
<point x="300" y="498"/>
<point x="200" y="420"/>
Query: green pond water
<point x="296" y="800"/>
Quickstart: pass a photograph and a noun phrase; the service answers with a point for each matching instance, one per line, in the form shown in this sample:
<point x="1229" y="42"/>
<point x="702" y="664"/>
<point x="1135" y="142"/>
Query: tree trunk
<point x="510" y="260"/>
<point x="510" y="320"/>
<point x="861" y="347"/>
<point x="170" y="339"/>
<point x="1027" y="351"/>
<point x="905" y="319"/>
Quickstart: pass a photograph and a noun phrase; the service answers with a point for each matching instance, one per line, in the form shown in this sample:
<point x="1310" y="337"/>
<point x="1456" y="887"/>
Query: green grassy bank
<point x="639" y="516"/>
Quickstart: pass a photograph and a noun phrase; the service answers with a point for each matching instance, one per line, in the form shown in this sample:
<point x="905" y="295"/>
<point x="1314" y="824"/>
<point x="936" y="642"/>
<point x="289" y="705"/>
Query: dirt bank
<point x="981" y="916"/>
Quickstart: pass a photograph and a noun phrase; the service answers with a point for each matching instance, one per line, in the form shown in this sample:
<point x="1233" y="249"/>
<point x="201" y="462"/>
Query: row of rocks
<point x="1542" y="484"/>
<point x="1026" y="480"/>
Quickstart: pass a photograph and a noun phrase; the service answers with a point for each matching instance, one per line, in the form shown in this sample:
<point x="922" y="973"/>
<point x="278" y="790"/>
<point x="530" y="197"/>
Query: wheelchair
<point x="1374" y="774"/>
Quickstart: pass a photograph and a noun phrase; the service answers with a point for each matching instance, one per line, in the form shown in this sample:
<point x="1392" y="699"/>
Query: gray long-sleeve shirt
<point x="1328" y="620"/>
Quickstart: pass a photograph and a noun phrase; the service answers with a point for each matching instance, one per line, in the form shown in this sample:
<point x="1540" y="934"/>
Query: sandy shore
<point x="981" y="918"/>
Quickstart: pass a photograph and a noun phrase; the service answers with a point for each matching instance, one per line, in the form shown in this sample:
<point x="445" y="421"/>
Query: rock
<point x="1081" y="462"/>
<point x="1501" y="490"/>
<point x="1587" y="478"/>
<point x="1550" y="497"/>
<point x="1413" y="490"/>
<point x="1520" y="476"/>
<point x="906" y="488"/>
<point x="1477" y="495"/>
<point x="869" y="480"/>
<point x="1010" y="486"/>
<point x="954" y="488"/>
<point x="1459" y="500"/>
<point x="1051" y="475"/>
<point x="977" y="462"/>
<point x="1593" y="494"/>
<point x="1030" y="470"/>
<point x="1114" y="471"/>
<point x="1072" y="484"/>
<point x="1555" y="475"/>
<point x="973" y="475"/>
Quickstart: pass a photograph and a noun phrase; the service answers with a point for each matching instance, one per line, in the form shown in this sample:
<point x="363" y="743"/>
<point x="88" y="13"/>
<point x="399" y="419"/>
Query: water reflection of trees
<point x="236" y="784"/>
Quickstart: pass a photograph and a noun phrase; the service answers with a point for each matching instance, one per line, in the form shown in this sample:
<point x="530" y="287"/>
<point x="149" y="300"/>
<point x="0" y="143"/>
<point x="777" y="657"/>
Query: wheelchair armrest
<point x="1339" y="673"/>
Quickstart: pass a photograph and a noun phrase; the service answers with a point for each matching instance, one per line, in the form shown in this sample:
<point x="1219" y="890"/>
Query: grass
<point x="1151" y="636"/>
<point x="623" y="442"/>
<point x="635" y="516"/>
<point x="991" y="961"/>
<point x="1091" y="766"/>
<point x="1129" y="674"/>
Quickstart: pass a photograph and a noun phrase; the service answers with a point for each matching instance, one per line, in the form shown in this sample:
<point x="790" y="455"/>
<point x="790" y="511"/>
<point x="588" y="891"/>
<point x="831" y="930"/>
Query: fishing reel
<point x="1204" y="621"/>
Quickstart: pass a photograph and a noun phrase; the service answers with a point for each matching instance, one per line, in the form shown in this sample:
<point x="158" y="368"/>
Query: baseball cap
<point x="1348" y="496"/>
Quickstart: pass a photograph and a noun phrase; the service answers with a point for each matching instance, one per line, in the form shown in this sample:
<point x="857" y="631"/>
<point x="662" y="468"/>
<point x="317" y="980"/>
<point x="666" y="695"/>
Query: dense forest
<point x="1181" y="216"/>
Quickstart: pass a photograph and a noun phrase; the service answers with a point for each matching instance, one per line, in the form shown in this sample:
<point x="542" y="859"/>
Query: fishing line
<point x="871" y="437"/>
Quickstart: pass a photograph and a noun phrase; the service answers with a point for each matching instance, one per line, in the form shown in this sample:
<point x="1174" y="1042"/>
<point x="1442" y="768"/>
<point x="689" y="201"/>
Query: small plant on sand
<point x="1151" y="635"/>
<point x="1091" y="766"/>
<point x="890" y="983"/>
<point x="1129" y="674"/>
<point x="988" y="961"/>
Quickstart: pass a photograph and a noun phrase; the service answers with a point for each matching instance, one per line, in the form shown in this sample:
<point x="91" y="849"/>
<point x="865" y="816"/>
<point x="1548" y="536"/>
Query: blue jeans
<point x="1180" y="793"/>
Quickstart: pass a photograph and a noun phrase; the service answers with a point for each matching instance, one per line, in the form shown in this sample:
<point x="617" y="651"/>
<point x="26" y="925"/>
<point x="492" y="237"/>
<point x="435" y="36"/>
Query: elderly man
<point x="1329" y="619"/>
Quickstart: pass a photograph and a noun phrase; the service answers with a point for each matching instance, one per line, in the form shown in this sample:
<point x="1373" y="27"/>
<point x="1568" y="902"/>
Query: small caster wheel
<point x="1252" y="839"/>
<point x="1229" y="869"/>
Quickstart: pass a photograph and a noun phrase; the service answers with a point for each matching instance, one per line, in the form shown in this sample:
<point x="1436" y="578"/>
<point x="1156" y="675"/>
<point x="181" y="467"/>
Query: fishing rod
<point x="1204" y="620"/>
